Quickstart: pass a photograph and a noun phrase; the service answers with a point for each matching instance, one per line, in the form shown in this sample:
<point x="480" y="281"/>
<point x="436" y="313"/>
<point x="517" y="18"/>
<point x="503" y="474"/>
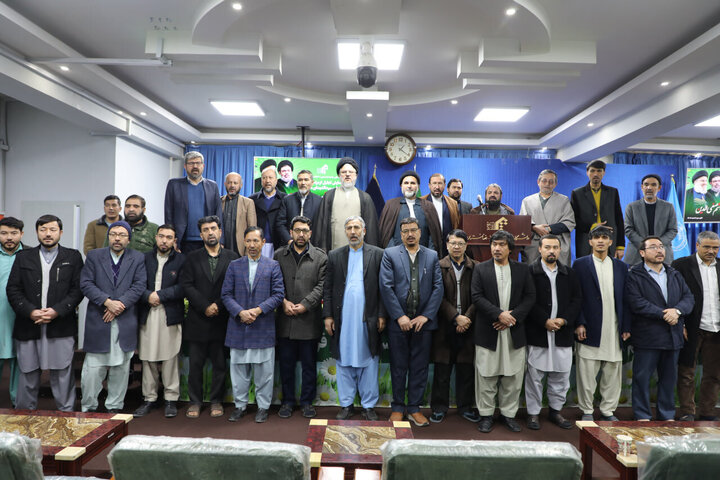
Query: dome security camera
<point x="367" y="67"/>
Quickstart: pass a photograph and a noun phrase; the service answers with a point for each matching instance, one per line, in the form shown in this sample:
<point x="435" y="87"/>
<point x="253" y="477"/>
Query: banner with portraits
<point x="324" y="172"/>
<point x="702" y="195"/>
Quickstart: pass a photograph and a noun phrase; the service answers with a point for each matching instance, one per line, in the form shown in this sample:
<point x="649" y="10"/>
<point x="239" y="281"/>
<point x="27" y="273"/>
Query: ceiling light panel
<point x="238" y="109"/>
<point x="388" y="55"/>
<point x="712" y="122"/>
<point x="501" y="114"/>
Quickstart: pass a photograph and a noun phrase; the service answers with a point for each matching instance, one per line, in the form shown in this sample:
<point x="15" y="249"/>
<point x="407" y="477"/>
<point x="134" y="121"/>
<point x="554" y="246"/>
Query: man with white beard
<point x="302" y="203"/>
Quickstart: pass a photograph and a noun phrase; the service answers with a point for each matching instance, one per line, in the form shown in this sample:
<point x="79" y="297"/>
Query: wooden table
<point x="69" y="439"/>
<point x="351" y="443"/>
<point x="600" y="437"/>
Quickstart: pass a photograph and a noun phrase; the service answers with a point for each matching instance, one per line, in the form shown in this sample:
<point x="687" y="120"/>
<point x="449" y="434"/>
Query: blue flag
<point x="680" y="243"/>
<point x="373" y="189"/>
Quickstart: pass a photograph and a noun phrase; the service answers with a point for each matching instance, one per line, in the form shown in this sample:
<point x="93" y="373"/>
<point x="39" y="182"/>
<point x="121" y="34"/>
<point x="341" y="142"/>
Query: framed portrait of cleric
<point x="702" y="195"/>
<point x="323" y="170"/>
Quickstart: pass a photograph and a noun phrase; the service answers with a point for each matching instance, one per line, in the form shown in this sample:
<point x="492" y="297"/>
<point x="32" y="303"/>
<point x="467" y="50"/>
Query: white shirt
<point x="710" y="316"/>
<point x="438" y="204"/>
<point x="411" y="204"/>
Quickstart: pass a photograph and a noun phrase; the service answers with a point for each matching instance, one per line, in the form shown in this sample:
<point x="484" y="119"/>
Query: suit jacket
<point x="267" y="216"/>
<point x="569" y="301"/>
<point x="176" y="203"/>
<point x="452" y="208"/>
<point x="484" y="292"/>
<point x="246" y="217"/>
<point x="446" y="339"/>
<point x="464" y="207"/>
<point x="557" y="213"/>
<point x="202" y="290"/>
<point x="334" y="292"/>
<point x="303" y="284"/>
<point x="586" y="213"/>
<point x="395" y="285"/>
<point x="646" y="303"/>
<point x="96" y="282"/>
<point x="170" y="292"/>
<point x="636" y="228"/>
<point x="391" y="213"/>
<point x="592" y="305"/>
<point x="266" y="292"/>
<point x="24" y="292"/>
<point x="323" y="230"/>
<point x="290" y="208"/>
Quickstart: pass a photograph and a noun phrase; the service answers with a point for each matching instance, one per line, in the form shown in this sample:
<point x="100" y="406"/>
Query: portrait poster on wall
<point x="702" y="195"/>
<point x="324" y="172"/>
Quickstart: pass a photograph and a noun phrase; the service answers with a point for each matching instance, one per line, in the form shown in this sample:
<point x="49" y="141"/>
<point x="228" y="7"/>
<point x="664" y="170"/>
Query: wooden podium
<point x="480" y="228"/>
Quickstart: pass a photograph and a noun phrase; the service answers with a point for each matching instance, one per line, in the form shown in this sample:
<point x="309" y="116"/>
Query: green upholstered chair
<point x="687" y="457"/>
<point x="20" y="457"/>
<point x="139" y="457"/>
<point x="493" y="460"/>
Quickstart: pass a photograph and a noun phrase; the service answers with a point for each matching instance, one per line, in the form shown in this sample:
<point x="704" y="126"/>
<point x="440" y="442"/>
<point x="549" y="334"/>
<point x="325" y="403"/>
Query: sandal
<point x="216" y="410"/>
<point x="193" y="411"/>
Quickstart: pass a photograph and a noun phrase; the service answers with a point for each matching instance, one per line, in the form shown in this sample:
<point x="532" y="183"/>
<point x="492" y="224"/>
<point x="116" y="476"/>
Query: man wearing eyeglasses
<point x="113" y="279"/>
<point x="411" y="287"/>
<point x="658" y="298"/>
<point x="299" y="323"/>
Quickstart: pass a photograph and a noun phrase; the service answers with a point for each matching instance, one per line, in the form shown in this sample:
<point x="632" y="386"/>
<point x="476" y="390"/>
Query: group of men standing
<point x="263" y="275"/>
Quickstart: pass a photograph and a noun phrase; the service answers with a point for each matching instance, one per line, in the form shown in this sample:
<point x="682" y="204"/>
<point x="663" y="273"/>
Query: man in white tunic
<point x="600" y="326"/>
<point x="44" y="290"/>
<point x="503" y="293"/>
<point x="551" y="212"/>
<point x="161" y="314"/>
<point x="550" y="328"/>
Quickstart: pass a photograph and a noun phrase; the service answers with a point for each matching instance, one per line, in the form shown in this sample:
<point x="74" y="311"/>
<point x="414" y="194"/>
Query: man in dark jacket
<point x="299" y="325"/>
<point x="44" y="290"/>
<point x="206" y="323"/>
<point x="267" y="206"/>
<point x="303" y="202"/>
<point x="453" y="342"/>
<point x="549" y="328"/>
<point x="354" y="317"/>
<point x="658" y="298"/>
<point x="161" y="314"/>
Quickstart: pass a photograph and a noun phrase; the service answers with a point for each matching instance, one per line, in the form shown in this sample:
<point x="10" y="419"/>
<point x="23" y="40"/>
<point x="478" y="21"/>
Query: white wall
<point x="52" y="165"/>
<point x="140" y="171"/>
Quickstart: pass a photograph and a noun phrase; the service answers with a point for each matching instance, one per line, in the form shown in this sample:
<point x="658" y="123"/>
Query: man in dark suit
<point x="301" y="203"/>
<point x="267" y="206"/>
<point x="412" y="290"/>
<point x="206" y="323"/>
<point x="189" y="199"/>
<point x="453" y="341"/>
<point x="113" y="279"/>
<point x="597" y="204"/>
<point x="549" y="328"/>
<point x="446" y="208"/>
<point x="658" y="298"/>
<point x="44" y="289"/>
<point x="354" y="317"/>
<point x="503" y="294"/>
<point x="602" y="324"/>
<point x="702" y="330"/>
<point x="454" y="190"/>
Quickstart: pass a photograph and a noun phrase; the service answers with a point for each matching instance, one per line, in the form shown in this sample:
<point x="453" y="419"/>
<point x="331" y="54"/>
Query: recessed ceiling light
<point x="591" y="124"/>
<point x="64" y="68"/>
<point x="387" y="55"/>
<point x="698" y="155"/>
<point x="237" y="6"/>
<point x="238" y="109"/>
<point x="454" y="102"/>
<point x="143" y="114"/>
<point x="287" y="99"/>
<point x="501" y="114"/>
<point x="120" y="112"/>
<point x="543" y="149"/>
<point x="428" y="147"/>
<point x="193" y="142"/>
<point x="712" y="122"/>
<point x="664" y="84"/>
<point x="511" y="11"/>
<point x="370" y="137"/>
<point x="369" y="114"/>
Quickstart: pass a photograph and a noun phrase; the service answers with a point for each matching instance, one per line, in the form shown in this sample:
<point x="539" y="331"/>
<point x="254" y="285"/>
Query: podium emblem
<point x="497" y="225"/>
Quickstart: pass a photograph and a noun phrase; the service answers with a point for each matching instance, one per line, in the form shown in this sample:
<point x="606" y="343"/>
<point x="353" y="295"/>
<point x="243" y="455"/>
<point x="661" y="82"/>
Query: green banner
<point x="324" y="172"/>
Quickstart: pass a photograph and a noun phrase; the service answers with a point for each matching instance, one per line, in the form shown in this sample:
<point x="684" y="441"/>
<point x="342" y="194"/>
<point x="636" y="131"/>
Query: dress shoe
<point x="437" y="417"/>
<point x="143" y="409"/>
<point x="309" y="411"/>
<point x="419" y="419"/>
<point x="587" y="417"/>
<point x="345" y="413"/>
<point x="237" y="414"/>
<point x="261" y="416"/>
<point x="511" y="424"/>
<point x="609" y="418"/>
<point x="533" y="422"/>
<point x="170" y="409"/>
<point x="396" y="417"/>
<point x="370" y="415"/>
<point x="688" y="417"/>
<point x="114" y="410"/>
<point x="285" y="411"/>
<point x="557" y="418"/>
<point x="471" y="416"/>
<point x="485" y="425"/>
<point x="708" y="418"/>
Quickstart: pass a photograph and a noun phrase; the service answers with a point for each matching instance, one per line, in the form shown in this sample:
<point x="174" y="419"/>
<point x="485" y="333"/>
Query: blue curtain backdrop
<point x="679" y="164"/>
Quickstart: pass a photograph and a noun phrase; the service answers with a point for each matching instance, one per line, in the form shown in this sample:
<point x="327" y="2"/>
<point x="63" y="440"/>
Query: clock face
<point x="400" y="148"/>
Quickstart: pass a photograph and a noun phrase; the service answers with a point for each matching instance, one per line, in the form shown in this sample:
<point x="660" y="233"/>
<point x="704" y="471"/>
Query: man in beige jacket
<point x="238" y="214"/>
